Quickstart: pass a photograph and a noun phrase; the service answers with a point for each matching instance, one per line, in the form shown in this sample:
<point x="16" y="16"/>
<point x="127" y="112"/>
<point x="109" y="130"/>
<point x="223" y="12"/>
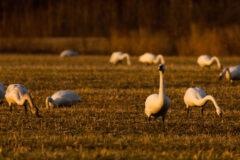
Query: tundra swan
<point x="231" y="73"/>
<point x="150" y="58"/>
<point x="62" y="98"/>
<point x="18" y="94"/>
<point x="197" y="97"/>
<point x="2" y="92"/>
<point x="158" y="104"/>
<point x="207" y="61"/>
<point x="118" y="57"/>
<point x="68" y="53"/>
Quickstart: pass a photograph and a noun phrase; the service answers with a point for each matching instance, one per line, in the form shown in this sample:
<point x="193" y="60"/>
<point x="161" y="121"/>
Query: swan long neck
<point x="128" y="58"/>
<point x="211" y="98"/>
<point x="159" y="57"/>
<point x="34" y="109"/>
<point x="161" y="88"/>
<point x="227" y="74"/>
<point x="217" y="60"/>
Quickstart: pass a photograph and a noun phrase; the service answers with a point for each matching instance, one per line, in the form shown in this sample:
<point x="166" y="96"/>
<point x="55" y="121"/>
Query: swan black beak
<point x="220" y="77"/>
<point x="220" y="115"/>
<point x="161" y="68"/>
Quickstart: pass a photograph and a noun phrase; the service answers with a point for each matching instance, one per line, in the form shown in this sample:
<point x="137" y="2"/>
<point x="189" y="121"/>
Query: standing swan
<point x="231" y="73"/>
<point x="62" y="98"/>
<point x="197" y="97"/>
<point x="207" y="61"/>
<point x="150" y="58"/>
<point x="118" y="57"/>
<point x="2" y="93"/>
<point x="18" y="94"/>
<point x="68" y="53"/>
<point x="158" y="104"/>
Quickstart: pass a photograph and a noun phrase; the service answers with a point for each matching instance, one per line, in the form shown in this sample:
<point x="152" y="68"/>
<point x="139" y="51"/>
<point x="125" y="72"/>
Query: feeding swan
<point x="197" y="97"/>
<point x="18" y="94"/>
<point x="207" y="61"/>
<point x="62" y="98"/>
<point x="68" y="53"/>
<point x="231" y="73"/>
<point x="117" y="57"/>
<point x="150" y="58"/>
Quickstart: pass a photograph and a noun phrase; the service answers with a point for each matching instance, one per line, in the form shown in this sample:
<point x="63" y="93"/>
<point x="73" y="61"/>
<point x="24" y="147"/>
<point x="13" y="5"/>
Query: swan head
<point x="220" y="76"/>
<point x="128" y="58"/>
<point x="219" y="112"/>
<point x="49" y="102"/>
<point x="161" y="68"/>
<point x="34" y="110"/>
<point x="223" y="73"/>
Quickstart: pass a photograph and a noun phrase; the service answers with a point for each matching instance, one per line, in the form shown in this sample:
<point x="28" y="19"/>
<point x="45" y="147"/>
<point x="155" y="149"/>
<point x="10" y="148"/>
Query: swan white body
<point x="196" y="97"/>
<point x="231" y="73"/>
<point x="150" y="58"/>
<point x="207" y="61"/>
<point x="2" y="92"/>
<point x="158" y="104"/>
<point x="62" y="98"/>
<point x="117" y="57"/>
<point x="18" y="94"/>
<point x="68" y="53"/>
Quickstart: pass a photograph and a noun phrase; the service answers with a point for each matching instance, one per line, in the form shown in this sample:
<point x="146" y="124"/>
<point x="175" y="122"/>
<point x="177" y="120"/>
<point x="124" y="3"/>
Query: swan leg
<point x="163" y="119"/>
<point x="202" y="110"/>
<point x="188" y="110"/>
<point x="10" y="106"/>
<point x="149" y="118"/>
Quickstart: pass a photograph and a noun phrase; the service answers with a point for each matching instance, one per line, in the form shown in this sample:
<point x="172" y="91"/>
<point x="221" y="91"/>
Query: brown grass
<point x="110" y="123"/>
<point x="217" y="41"/>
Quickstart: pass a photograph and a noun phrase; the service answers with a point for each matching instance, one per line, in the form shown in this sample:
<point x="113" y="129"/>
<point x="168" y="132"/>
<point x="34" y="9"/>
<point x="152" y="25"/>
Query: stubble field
<point x="110" y="123"/>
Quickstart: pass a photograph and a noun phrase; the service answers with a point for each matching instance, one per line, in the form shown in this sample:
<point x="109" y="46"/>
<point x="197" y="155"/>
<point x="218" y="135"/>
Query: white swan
<point x="62" y="98"/>
<point x="150" y="58"/>
<point x="197" y="97"/>
<point x="207" y="61"/>
<point x="231" y="73"/>
<point x="118" y="56"/>
<point x="18" y="94"/>
<point x="68" y="53"/>
<point x="2" y="92"/>
<point x="158" y="104"/>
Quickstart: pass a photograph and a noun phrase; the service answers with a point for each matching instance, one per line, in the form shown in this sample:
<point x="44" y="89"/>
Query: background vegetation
<point x="187" y="27"/>
<point x="110" y="123"/>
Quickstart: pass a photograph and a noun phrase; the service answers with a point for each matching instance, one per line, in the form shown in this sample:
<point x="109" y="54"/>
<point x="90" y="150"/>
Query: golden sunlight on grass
<point x="110" y="123"/>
